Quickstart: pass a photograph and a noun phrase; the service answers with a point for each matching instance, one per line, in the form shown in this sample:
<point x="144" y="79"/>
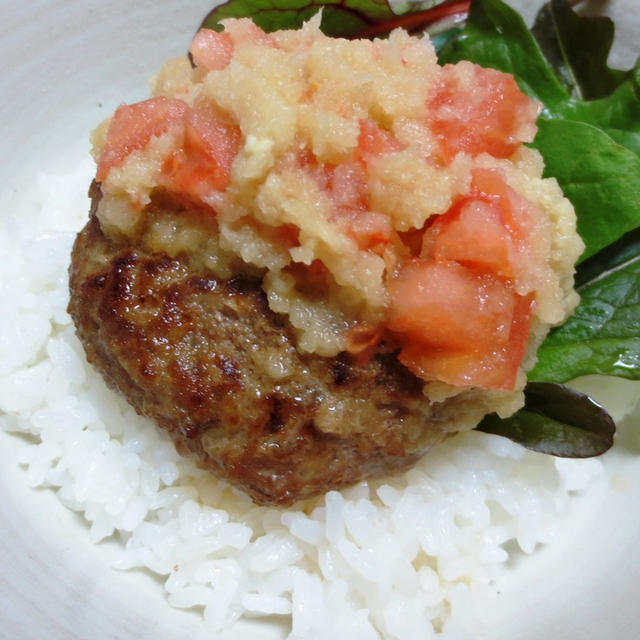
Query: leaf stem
<point x="415" y="21"/>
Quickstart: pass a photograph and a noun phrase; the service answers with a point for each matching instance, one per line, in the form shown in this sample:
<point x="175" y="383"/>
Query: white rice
<point x="400" y="558"/>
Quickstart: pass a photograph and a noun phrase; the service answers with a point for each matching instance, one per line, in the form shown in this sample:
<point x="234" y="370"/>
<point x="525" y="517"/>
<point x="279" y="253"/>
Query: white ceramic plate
<point x="67" y="64"/>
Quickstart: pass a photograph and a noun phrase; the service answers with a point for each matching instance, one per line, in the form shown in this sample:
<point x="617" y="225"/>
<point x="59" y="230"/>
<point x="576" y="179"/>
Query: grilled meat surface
<point x="207" y="360"/>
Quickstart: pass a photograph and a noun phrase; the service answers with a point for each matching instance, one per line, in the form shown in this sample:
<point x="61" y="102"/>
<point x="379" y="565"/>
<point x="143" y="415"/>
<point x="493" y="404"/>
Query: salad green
<point x="598" y="175"/>
<point x="556" y="420"/>
<point x="577" y="48"/>
<point x="340" y="18"/>
<point x="602" y="335"/>
<point x="589" y="136"/>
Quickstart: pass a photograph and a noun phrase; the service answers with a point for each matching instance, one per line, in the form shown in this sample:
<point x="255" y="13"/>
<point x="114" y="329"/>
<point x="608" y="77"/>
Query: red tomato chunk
<point x="459" y="327"/>
<point x="133" y="126"/>
<point x="479" y="110"/>
<point x="375" y="141"/>
<point x="211" y="142"/>
<point x="455" y="306"/>
<point x="211" y="50"/>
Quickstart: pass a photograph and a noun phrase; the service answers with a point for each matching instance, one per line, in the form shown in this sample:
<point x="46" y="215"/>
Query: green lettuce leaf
<point x="578" y="47"/>
<point x="618" y="115"/>
<point x="603" y="335"/>
<point x="599" y="176"/>
<point x="624" y="249"/>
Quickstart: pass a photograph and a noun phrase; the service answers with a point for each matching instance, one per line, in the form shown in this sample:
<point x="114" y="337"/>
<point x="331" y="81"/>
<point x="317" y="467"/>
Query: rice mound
<point x="395" y="559"/>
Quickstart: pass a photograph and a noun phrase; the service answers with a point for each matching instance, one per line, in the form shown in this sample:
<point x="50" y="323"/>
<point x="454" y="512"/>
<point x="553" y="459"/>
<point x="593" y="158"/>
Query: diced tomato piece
<point x="474" y="109"/>
<point x="488" y="369"/>
<point x="455" y="307"/>
<point x="514" y="208"/>
<point x="212" y="141"/>
<point x="133" y="126"/>
<point x="446" y="305"/>
<point x="370" y="228"/>
<point x="211" y="50"/>
<point x="487" y="230"/>
<point x="457" y="326"/>
<point x="375" y="141"/>
<point x="519" y="336"/>
<point x="348" y="186"/>
<point x="473" y="234"/>
<point x="489" y="366"/>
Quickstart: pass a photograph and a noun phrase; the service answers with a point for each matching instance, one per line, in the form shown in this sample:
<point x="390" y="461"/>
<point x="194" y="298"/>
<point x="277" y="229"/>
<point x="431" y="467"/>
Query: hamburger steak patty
<point x="210" y="362"/>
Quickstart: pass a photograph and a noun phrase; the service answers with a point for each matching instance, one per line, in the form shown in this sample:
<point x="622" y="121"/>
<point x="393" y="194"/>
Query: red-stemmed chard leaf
<point x="556" y="420"/>
<point x="340" y="18"/>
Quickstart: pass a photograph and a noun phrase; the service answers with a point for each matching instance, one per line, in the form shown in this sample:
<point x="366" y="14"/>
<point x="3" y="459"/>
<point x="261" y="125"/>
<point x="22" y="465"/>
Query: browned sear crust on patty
<point x="210" y="362"/>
